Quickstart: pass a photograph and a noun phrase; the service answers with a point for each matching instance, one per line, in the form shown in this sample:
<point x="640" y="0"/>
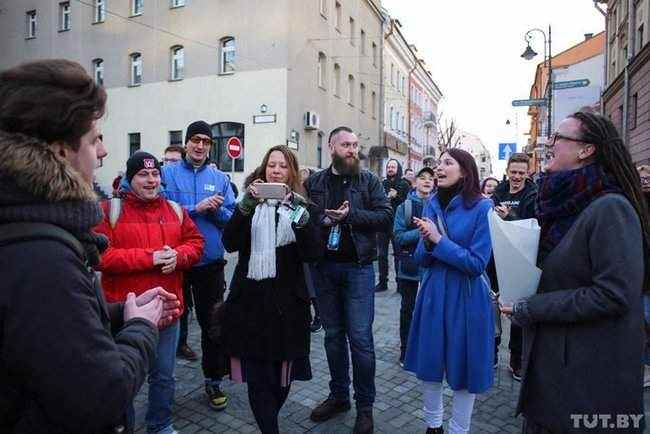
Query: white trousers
<point x="461" y="409"/>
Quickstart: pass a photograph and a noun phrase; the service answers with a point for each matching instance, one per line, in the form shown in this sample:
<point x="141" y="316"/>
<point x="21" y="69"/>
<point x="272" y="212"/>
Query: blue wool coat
<point x="452" y="331"/>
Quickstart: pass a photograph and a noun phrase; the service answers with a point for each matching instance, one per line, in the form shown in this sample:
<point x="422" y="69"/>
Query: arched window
<point x="373" y="102"/>
<point x="136" y="69"/>
<point x="362" y="97"/>
<point x="322" y="70"/>
<point x="177" y="62"/>
<point x="337" y="79"/>
<point x="227" y="55"/>
<point x="391" y="119"/>
<point x="98" y="71"/>
<point x="351" y="89"/>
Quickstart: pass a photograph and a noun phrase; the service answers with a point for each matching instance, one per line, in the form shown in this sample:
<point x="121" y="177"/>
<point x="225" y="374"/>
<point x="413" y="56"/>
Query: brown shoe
<point x="328" y="409"/>
<point x="187" y="353"/>
<point x="364" y="423"/>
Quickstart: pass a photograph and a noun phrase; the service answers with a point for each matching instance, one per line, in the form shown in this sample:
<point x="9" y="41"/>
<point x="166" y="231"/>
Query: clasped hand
<point x="212" y="203"/>
<point x="339" y="214"/>
<point x="166" y="257"/>
<point x="428" y="229"/>
<point x="154" y="305"/>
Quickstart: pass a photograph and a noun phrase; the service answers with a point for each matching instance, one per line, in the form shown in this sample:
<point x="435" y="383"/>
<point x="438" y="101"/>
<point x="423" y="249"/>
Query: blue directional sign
<point x="540" y="102"/>
<point x="506" y="150"/>
<point x="571" y="84"/>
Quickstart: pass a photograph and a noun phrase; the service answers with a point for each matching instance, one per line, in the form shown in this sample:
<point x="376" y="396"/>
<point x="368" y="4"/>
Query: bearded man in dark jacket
<point x="69" y="363"/>
<point x="397" y="189"/>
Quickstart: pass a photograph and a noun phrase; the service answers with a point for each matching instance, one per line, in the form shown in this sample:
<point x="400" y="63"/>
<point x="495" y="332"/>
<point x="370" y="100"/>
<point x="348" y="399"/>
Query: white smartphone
<point x="272" y="190"/>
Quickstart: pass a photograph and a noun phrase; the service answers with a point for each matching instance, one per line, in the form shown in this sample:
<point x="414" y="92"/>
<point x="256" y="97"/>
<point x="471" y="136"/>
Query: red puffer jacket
<point x="142" y="228"/>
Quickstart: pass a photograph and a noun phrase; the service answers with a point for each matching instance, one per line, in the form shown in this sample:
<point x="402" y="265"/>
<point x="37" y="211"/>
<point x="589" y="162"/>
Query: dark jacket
<point x="370" y="211"/>
<point x="67" y="362"/>
<point x="399" y="184"/>
<point x="583" y="346"/>
<point x="406" y="236"/>
<point x="526" y="208"/>
<point x="268" y="319"/>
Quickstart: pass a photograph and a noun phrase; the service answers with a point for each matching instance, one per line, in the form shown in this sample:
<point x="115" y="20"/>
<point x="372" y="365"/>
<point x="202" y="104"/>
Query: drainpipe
<point x="382" y="93"/>
<point x="408" y="109"/>
<point x="631" y="40"/>
<point x="606" y="54"/>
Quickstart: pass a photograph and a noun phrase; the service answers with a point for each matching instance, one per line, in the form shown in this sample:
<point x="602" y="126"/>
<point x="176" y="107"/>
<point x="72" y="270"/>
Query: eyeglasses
<point x="555" y="136"/>
<point x="196" y="140"/>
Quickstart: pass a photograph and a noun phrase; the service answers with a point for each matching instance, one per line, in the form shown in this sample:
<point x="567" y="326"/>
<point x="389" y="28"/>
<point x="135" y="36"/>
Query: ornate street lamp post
<point x="528" y="54"/>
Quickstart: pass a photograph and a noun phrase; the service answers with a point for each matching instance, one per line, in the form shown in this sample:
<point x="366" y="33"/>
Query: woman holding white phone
<point x="452" y="330"/>
<point x="266" y="317"/>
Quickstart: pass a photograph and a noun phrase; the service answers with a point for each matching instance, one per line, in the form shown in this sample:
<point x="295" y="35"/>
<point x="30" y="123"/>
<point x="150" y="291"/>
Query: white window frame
<point x="322" y="70"/>
<point x="322" y="6"/>
<point x="98" y="71"/>
<point x="30" y="24"/>
<point x="100" y="11"/>
<point x="351" y="90"/>
<point x="177" y="4"/>
<point x="136" y="67"/>
<point x="227" y="66"/>
<point x="65" y="16"/>
<point x="391" y="118"/>
<point x="337" y="79"/>
<point x="177" y="62"/>
<point x="137" y="7"/>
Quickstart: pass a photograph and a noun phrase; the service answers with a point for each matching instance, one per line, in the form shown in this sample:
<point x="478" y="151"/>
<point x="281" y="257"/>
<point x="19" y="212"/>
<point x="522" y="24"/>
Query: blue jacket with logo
<point x="188" y="186"/>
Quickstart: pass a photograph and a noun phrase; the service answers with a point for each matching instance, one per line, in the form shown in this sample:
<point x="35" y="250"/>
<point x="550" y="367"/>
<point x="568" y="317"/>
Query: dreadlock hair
<point x="612" y="155"/>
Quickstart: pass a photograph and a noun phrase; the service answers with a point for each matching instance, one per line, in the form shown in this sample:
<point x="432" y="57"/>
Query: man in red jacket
<point x="152" y="241"/>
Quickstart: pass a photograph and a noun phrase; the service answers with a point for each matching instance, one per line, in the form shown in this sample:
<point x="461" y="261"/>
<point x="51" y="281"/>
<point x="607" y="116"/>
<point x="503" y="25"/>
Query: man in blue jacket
<point x="406" y="236"/>
<point x="206" y="194"/>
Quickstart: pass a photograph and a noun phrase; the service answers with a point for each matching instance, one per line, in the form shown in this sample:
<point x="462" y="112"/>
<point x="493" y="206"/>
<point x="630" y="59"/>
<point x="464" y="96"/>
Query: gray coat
<point x="584" y="340"/>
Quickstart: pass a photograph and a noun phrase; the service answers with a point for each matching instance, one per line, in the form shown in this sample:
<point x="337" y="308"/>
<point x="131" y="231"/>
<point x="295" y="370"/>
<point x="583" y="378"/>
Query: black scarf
<point x="446" y="194"/>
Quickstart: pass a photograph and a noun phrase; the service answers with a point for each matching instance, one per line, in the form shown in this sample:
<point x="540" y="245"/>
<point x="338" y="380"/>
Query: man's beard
<point x="345" y="166"/>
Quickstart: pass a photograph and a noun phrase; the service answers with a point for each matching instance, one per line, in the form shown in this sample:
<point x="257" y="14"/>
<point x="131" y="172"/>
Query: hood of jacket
<point x="34" y="173"/>
<point x="413" y="195"/>
<point x="400" y="171"/>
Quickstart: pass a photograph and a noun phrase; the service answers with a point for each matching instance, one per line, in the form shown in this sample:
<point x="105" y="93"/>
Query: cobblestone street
<point x="398" y="407"/>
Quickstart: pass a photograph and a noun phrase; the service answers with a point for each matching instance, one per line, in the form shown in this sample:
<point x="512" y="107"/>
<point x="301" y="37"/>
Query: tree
<point x="448" y="134"/>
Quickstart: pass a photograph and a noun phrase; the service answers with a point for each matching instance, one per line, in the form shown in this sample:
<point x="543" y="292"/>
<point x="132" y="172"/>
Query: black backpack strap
<point x="11" y="233"/>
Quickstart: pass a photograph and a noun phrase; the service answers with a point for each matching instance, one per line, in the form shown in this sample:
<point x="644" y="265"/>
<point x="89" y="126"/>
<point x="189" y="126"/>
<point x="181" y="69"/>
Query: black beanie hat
<point x="198" y="127"/>
<point x="138" y="161"/>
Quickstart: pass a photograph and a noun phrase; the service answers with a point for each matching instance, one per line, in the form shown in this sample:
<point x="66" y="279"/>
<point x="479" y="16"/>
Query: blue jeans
<point x="346" y="299"/>
<point x="646" y="311"/>
<point x="162" y="383"/>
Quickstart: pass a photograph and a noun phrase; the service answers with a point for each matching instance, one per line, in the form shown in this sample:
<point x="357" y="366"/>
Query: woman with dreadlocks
<point x="583" y="329"/>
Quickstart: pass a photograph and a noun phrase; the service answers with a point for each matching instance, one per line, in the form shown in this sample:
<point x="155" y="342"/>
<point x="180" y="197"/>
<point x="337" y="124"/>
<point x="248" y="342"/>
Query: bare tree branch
<point x="448" y="134"/>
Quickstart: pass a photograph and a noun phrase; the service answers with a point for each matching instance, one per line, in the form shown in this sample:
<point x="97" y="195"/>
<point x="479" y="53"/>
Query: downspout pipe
<point x="606" y="54"/>
<point x="408" y="109"/>
<point x="631" y="41"/>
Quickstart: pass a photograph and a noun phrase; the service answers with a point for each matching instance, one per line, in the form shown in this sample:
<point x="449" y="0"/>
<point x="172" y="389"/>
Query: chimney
<point x="588" y="36"/>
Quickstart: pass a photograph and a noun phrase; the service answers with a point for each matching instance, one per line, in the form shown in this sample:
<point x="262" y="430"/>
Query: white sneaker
<point x="646" y="376"/>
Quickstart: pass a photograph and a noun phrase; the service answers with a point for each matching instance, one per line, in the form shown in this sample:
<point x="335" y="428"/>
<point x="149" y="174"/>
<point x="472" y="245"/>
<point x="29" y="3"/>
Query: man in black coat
<point x="351" y="207"/>
<point x="514" y="199"/>
<point x="396" y="188"/>
<point x="69" y="363"/>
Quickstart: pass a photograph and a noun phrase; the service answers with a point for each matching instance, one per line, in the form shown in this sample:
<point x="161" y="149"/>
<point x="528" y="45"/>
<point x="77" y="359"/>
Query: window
<point x="620" y="120"/>
<point x="362" y="97"/>
<point x="373" y="102"/>
<point x="392" y="74"/>
<point x="100" y="11"/>
<point x="98" y="71"/>
<point x="337" y="79"/>
<point x="323" y="8"/>
<point x="64" y="16"/>
<point x="136" y="69"/>
<point x="176" y="138"/>
<point x="403" y="85"/>
<point x="319" y="150"/>
<point x="353" y="34"/>
<point x="351" y="89"/>
<point x="177" y="62"/>
<point x="322" y="70"/>
<point x="402" y="125"/>
<point x="134" y="143"/>
<point x="635" y="111"/>
<point x="639" y="38"/>
<point x="363" y="43"/>
<point x="391" y="118"/>
<point x="374" y="54"/>
<point x="30" y="31"/>
<point x="397" y="80"/>
<point x="137" y="7"/>
<point x="227" y="55"/>
<point x="178" y="3"/>
<point x="338" y="16"/>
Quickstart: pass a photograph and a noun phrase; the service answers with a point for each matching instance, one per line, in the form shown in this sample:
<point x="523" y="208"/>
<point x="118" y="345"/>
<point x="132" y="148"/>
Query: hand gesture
<point x="211" y="203"/>
<point x="428" y="229"/>
<point x="165" y="257"/>
<point x="171" y="304"/>
<point x="339" y="214"/>
<point x="151" y="311"/>
<point x="502" y="210"/>
<point x="252" y="189"/>
<point x="392" y="193"/>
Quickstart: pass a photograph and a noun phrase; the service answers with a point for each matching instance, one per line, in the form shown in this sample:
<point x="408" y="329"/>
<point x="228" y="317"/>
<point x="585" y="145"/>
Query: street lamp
<point x="528" y="54"/>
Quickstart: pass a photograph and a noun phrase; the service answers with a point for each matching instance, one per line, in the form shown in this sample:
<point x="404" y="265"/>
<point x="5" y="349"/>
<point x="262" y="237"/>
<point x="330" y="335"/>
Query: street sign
<point x="506" y="150"/>
<point x="571" y="84"/>
<point x="540" y="102"/>
<point x="234" y="147"/>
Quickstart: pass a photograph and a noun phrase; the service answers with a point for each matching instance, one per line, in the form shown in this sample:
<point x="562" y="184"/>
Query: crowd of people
<point x="106" y="307"/>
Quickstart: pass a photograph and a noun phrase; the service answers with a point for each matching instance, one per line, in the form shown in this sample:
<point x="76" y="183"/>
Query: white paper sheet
<point x="515" y="244"/>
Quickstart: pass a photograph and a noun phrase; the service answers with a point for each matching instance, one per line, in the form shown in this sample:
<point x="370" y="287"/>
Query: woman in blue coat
<point x="452" y="331"/>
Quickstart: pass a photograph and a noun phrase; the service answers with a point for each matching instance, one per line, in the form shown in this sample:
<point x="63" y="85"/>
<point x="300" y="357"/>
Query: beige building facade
<point x="282" y="72"/>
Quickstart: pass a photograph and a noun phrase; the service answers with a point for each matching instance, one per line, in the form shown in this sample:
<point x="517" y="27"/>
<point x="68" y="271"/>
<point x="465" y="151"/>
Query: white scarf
<point x="265" y="237"/>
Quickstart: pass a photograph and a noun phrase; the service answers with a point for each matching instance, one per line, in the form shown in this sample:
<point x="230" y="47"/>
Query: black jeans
<point x="383" y="239"/>
<point x="184" y="321"/>
<point x="515" y="345"/>
<point x="266" y="398"/>
<point x="408" y="289"/>
<point x="207" y="283"/>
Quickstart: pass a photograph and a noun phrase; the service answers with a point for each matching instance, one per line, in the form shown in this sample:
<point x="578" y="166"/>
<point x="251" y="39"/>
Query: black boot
<point x="435" y="430"/>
